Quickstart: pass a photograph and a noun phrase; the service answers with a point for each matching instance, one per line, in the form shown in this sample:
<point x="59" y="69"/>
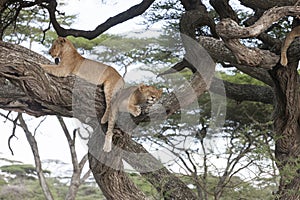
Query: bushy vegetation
<point x="23" y="188"/>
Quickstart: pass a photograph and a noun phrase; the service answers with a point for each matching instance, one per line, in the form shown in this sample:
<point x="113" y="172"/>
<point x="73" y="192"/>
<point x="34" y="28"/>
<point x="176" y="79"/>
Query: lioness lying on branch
<point x="71" y="62"/>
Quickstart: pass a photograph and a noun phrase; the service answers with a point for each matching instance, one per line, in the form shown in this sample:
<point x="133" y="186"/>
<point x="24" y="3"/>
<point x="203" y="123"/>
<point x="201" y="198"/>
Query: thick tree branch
<point x="269" y="42"/>
<point x="261" y="25"/>
<point x="195" y="17"/>
<point x="43" y="94"/>
<point x="223" y="8"/>
<point x="217" y="50"/>
<point x="38" y="164"/>
<point x="267" y="4"/>
<point x="108" y="170"/>
<point x="112" y="21"/>
<point x="243" y="92"/>
<point x="293" y="51"/>
<point x="220" y="53"/>
<point x="231" y="32"/>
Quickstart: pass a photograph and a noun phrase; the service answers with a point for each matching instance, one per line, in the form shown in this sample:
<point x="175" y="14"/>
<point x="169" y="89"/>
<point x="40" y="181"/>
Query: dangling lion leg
<point x="109" y="134"/>
<point x="108" y="141"/>
<point x="111" y="92"/>
<point x="108" y="96"/>
<point x="287" y="42"/>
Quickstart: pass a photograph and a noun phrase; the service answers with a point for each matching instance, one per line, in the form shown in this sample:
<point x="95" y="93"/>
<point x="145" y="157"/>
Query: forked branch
<point x="231" y="32"/>
<point x="112" y="21"/>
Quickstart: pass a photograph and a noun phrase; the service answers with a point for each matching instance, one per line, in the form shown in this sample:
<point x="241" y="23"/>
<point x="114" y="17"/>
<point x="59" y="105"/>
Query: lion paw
<point x="107" y="143"/>
<point x="136" y="111"/>
<point x="104" y="119"/>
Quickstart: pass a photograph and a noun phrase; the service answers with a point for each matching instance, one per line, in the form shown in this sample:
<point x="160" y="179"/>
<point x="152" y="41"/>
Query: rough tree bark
<point x="286" y="87"/>
<point x="33" y="144"/>
<point x="76" y="179"/>
<point x="287" y="130"/>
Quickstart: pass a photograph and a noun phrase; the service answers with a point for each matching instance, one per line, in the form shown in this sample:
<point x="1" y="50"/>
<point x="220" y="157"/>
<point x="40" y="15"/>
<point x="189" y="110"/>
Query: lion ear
<point x="160" y="91"/>
<point x="141" y="86"/>
<point x="61" y="40"/>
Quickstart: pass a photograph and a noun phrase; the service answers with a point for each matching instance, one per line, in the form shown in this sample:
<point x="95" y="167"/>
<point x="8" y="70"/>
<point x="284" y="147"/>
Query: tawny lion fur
<point x="129" y="100"/>
<point x="71" y="62"/>
<point x="287" y="42"/>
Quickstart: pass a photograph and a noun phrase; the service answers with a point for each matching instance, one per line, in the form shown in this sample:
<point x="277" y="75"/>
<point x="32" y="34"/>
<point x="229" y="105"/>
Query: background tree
<point x="250" y="44"/>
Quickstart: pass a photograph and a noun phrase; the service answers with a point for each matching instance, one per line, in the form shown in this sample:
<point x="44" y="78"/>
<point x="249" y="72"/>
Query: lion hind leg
<point x="110" y="91"/>
<point x="109" y="132"/>
<point x="287" y="42"/>
<point x="108" y="96"/>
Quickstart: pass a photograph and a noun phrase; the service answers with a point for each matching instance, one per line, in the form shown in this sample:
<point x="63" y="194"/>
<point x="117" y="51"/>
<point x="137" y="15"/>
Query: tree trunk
<point x="109" y="172"/>
<point x="287" y="130"/>
<point x="38" y="165"/>
<point x="77" y="166"/>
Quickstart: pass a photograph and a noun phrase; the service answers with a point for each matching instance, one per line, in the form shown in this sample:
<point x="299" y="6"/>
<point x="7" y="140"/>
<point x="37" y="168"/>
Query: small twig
<point x="44" y="32"/>
<point x="6" y="117"/>
<point x="74" y="134"/>
<point x="13" y="133"/>
<point x="34" y="133"/>
<point x="85" y="176"/>
<point x="81" y="135"/>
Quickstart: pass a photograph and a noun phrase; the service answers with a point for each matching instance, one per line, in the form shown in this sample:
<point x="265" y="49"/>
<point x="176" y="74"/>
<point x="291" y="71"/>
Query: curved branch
<point x="221" y="54"/>
<point x="122" y="17"/>
<point x="231" y="32"/>
<point x="196" y="16"/>
<point x="269" y="41"/>
<point x="243" y="92"/>
<point x="229" y="29"/>
<point x="223" y="8"/>
<point x="267" y="4"/>
<point x="38" y="164"/>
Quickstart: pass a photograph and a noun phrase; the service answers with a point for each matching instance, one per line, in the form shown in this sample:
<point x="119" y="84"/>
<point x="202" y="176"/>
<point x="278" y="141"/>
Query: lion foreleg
<point x="55" y="70"/>
<point x="135" y="110"/>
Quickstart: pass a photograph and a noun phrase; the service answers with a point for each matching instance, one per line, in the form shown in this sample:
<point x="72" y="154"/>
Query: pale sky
<point x="92" y="13"/>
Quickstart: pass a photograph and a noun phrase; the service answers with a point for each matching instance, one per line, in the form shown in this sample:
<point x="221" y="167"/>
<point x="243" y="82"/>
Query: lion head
<point x="59" y="46"/>
<point x="150" y="93"/>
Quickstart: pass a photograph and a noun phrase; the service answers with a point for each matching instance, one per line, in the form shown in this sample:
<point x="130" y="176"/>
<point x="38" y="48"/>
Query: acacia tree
<point x="26" y="87"/>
